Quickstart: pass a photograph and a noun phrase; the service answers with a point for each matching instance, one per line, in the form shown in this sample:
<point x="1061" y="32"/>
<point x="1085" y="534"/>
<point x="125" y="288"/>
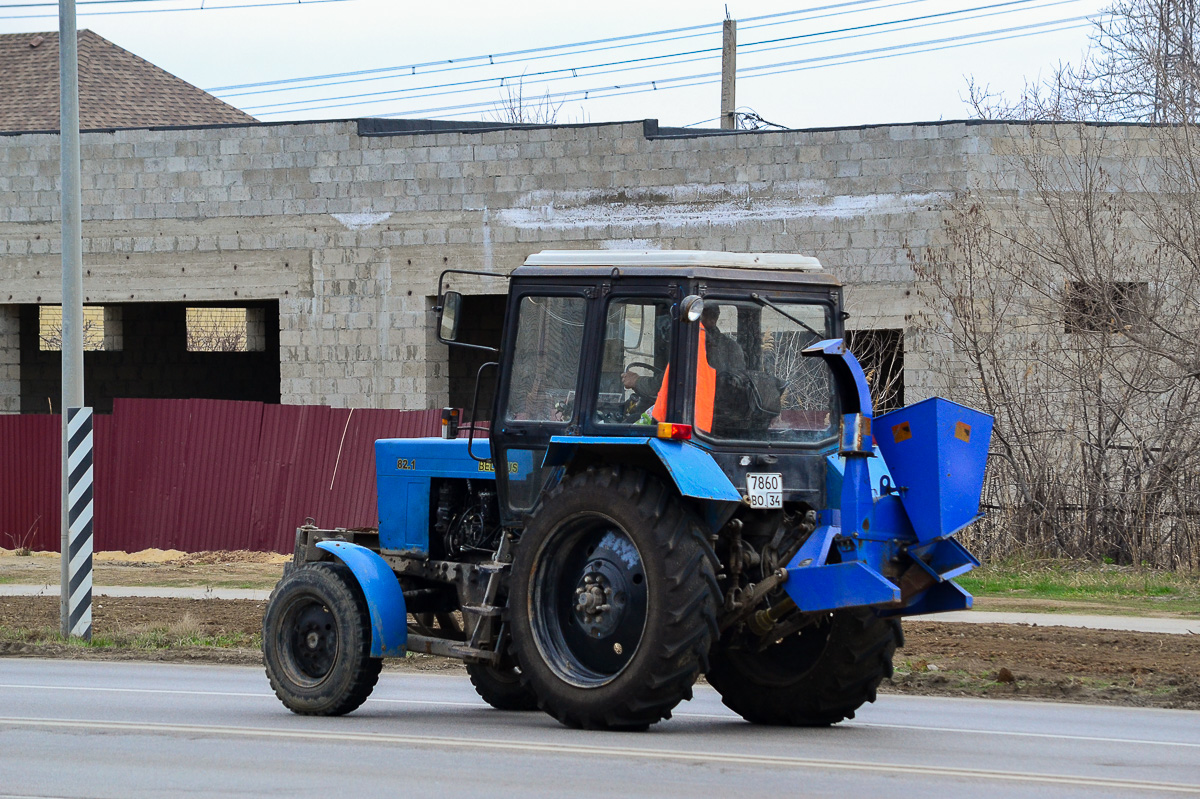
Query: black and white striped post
<point x="77" y="589"/>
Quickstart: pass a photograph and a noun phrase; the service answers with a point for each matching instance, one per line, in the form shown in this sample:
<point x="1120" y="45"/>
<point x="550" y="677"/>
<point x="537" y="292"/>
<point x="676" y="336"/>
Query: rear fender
<point x="692" y="470"/>
<point x="385" y="599"/>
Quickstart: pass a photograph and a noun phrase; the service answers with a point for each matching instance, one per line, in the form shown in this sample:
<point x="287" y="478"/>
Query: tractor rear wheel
<point x="613" y="600"/>
<point x="813" y="678"/>
<point x="317" y="641"/>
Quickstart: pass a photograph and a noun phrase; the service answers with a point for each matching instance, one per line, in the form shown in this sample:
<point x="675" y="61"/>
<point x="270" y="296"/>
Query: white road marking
<point x="104" y="689"/>
<point x="239" y="694"/>
<point x="424" y="741"/>
<point x="1057" y="736"/>
<point x="676" y="714"/>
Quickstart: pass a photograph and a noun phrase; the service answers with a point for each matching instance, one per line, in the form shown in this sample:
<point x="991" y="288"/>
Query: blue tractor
<point x="681" y="474"/>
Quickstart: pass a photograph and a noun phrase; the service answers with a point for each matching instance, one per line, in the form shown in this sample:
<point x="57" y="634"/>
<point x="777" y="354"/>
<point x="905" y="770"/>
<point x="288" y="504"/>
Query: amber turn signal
<point x="675" y="432"/>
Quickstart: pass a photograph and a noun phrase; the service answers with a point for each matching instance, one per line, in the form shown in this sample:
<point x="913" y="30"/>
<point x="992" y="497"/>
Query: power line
<point x="486" y="60"/>
<point x="461" y="62"/>
<point x="800" y="69"/>
<point x="573" y="73"/>
<point x="1076" y="22"/>
<point x="862" y="56"/>
<point x="201" y="7"/>
<point x="81" y="3"/>
<point x="348" y="76"/>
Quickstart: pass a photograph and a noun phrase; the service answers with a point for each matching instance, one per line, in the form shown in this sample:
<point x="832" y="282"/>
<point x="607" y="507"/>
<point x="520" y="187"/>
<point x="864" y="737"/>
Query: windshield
<point x="757" y="385"/>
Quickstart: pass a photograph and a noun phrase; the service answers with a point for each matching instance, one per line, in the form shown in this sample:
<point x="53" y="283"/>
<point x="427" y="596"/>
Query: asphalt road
<point x="103" y="729"/>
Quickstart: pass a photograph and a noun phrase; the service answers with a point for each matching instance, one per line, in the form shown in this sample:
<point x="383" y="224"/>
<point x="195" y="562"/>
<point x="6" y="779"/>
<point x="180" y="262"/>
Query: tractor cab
<point x="606" y="349"/>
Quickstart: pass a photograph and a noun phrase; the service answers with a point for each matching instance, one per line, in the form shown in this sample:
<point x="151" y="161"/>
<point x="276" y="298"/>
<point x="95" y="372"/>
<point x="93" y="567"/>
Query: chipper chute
<point x="889" y="542"/>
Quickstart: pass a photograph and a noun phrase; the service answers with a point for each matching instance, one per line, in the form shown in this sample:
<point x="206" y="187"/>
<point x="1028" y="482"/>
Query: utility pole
<point x="728" y="72"/>
<point x="1176" y="94"/>
<point x="72" y="274"/>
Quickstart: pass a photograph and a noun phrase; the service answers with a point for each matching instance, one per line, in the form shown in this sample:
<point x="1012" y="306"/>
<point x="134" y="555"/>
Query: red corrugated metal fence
<point x="202" y="474"/>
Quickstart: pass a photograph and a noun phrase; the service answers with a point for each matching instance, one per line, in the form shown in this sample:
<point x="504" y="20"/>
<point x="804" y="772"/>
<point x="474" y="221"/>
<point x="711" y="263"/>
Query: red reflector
<point x="675" y="432"/>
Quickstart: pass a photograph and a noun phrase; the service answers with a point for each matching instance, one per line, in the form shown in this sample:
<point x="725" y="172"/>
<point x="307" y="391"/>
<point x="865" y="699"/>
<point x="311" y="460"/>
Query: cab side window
<point x="546" y="359"/>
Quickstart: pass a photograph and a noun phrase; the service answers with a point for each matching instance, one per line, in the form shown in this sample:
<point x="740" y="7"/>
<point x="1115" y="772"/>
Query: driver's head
<point x="710" y="315"/>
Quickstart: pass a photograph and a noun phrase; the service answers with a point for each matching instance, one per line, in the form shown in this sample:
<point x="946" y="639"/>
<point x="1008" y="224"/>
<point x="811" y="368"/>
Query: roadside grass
<point x="1067" y="583"/>
<point x="184" y="632"/>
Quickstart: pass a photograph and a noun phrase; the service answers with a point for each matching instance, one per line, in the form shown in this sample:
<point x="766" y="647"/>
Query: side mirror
<point x="448" y="319"/>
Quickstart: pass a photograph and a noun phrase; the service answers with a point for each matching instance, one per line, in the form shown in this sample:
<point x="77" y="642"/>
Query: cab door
<point x="539" y="391"/>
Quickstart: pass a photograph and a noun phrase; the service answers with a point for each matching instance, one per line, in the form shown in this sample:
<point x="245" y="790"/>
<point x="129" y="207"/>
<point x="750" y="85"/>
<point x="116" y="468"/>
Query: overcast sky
<point x="826" y="61"/>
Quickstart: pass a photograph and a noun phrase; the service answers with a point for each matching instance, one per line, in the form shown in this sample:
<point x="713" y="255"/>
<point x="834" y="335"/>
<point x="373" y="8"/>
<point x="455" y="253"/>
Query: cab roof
<point x="677" y="264"/>
<point x="743" y="260"/>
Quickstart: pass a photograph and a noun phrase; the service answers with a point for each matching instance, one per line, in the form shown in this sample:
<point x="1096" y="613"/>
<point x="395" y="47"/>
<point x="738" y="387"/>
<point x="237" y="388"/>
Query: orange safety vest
<point x="706" y="388"/>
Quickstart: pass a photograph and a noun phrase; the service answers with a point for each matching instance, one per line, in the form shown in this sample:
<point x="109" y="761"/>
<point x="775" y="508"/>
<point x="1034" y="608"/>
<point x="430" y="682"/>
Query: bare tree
<point x="1066" y="316"/>
<point x="216" y="330"/>
<point x="1141" y="66"/>
<point x="880" y="352"/>
<point x="1072" y="289"/>
<point x="513" y="107"/>
<point x="50" y="328"/>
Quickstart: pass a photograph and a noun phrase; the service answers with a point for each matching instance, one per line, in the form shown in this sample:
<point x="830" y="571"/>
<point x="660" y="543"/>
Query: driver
<point x="724" y="355"/>
<point x="721" y="354"/>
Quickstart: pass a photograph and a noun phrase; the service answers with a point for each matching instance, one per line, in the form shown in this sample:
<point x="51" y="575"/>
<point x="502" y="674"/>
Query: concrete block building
<point x="328" y="238"/>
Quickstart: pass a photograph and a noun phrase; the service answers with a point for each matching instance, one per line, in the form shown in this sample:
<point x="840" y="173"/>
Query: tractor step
<point x="482" y="610"/>
<point x="454" y="649"/>
<point x="493" y="567"/>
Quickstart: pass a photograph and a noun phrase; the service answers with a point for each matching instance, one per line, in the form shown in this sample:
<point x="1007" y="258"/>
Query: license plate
<point x="764" y="490"/>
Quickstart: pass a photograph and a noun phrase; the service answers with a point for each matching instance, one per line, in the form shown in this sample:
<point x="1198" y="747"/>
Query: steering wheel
<point x="638" y="402"/>
<point x="653" y="368"/>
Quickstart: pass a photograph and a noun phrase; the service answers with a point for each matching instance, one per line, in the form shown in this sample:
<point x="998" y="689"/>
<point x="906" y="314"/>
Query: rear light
<point x="675" y="432"/>
<point x="450" y="422"/>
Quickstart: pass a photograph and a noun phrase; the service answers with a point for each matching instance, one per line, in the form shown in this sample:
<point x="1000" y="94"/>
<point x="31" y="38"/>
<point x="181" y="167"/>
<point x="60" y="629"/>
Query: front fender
<point x="385" y="599"/>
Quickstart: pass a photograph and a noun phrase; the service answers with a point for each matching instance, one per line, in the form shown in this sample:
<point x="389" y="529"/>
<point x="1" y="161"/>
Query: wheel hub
<point x="595" y="583"/>
<point x="598" y="604"/>
<point x="314" y="642"/>
<point x="602" y="596"/>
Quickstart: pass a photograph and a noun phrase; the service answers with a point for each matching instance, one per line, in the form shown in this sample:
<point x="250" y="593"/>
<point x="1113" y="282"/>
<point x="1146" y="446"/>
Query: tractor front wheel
<point x="613" y="601"/>
<point x="813" y="678"/>
<point x="317" y="641"/>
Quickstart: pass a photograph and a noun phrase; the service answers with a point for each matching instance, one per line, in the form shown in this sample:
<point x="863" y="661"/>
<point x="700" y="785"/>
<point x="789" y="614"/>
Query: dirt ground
<point x="1004" y="661"/>
<point x="160" y="567"/>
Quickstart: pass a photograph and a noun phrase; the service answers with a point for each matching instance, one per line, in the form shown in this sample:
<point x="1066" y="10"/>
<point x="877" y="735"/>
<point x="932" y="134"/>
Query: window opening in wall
<point x="881" y="355"/>
<point x="95" y="330"/>
<point x="225" y="329"/>
<point x="1104" y="306"/>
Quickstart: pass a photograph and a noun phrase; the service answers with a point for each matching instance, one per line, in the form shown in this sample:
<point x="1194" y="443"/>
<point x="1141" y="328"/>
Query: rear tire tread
<point x="847" y="674"/>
